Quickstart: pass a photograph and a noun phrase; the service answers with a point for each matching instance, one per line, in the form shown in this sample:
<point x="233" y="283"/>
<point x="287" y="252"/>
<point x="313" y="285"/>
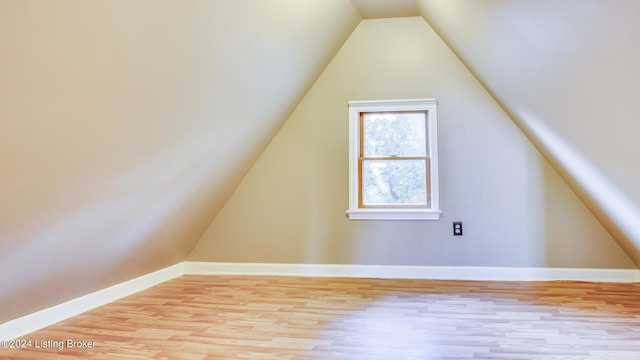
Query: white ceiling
<point x="375" y="9"/>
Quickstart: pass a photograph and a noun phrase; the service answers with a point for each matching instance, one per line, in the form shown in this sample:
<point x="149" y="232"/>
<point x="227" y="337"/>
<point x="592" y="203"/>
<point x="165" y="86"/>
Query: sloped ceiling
<point x="567" y="73"/>
<point x="125" y="125"/>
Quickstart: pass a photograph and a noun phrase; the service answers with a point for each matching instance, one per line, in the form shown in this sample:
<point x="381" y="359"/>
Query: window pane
<point x="394" y="182"/>
<point x="394" y="134"/>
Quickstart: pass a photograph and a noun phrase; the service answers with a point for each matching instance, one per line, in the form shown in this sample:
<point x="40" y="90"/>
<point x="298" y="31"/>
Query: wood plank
<point x="251" y="317"/>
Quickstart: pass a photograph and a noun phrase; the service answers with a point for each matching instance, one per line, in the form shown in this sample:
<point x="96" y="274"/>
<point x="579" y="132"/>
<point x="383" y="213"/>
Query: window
<point x="393" y="163"/>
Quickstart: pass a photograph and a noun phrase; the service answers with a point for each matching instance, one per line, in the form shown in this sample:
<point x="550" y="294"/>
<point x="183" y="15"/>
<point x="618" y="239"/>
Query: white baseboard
<point x="35" y="321"/>
<point x="414" y="272"/>
<point x="24" y="325"/>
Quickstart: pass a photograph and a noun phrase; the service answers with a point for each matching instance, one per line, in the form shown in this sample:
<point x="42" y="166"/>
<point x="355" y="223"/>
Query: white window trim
<point x="357" y="213"/>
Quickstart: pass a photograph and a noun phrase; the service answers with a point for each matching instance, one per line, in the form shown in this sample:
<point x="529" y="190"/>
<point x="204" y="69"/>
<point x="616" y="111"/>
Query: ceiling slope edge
<point x="615" y="211"/>
<point x="355" y="20"/>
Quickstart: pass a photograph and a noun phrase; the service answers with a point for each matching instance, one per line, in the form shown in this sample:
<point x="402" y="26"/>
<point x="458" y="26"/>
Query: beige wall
<point x="516" y="210"/>
<point x="567" y="71"/>
<point x="125" y="125"/>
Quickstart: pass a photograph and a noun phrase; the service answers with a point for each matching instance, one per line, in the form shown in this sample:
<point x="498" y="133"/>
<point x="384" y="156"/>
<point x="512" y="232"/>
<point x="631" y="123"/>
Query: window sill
<point x="394" y="214"/>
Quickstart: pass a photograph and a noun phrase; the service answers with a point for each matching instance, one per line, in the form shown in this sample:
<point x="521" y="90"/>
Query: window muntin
<point x="393" y="160"/>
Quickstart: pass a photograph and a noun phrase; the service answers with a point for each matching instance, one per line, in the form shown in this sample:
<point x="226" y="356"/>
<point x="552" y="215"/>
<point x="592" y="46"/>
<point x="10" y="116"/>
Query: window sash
<point x="427" y="180"/>
<point x="425" y="118"/>
<point x="393" y="157"/>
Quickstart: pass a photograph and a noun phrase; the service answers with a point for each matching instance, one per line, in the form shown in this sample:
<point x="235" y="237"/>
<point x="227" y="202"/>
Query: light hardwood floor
<point x="244" y="317"/>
